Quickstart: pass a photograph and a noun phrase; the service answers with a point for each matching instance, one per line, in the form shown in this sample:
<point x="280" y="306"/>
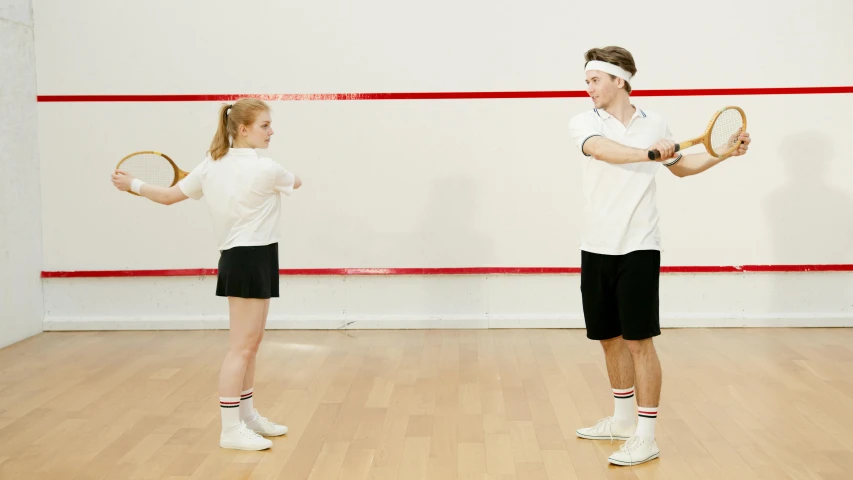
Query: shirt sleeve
<point x="284" y="180"/>
<point x="582" y="128"/>
<point x="191" y="185"/>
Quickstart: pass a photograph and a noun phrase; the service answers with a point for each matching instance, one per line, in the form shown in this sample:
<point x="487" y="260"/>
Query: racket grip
<point x="654" y="154"/>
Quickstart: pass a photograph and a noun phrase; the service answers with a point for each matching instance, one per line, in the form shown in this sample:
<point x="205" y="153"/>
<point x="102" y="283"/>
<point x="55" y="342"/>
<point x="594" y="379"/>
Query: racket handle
<point x="654" y="154"/>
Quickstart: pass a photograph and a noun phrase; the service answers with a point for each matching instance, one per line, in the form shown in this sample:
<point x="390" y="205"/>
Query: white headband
<point x="609" y="68"/>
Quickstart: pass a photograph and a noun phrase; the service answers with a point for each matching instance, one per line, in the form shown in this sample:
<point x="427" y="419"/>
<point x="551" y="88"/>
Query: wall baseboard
<point x="398" y="322"/>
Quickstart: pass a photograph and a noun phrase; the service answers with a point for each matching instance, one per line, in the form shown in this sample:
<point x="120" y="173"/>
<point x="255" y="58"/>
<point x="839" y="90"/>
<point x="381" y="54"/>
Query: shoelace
<point x="263" y="420"/>
<point x="609" y="422"/>
<point x="245" y="431"/>
<point x="629" y="447"/>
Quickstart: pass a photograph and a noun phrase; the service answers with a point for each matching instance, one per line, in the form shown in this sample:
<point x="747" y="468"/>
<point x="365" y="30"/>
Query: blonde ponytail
<point x="220" y="144"/>
<point x="242" y="112"/>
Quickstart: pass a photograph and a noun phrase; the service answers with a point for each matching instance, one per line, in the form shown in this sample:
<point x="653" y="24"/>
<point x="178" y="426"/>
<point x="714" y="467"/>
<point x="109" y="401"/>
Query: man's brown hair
<point x="615" y="55"/>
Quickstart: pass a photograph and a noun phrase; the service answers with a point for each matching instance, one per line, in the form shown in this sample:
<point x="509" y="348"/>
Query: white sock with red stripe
<point x="247" y="409"/>
<point x="623" y="411"/>
<point x="230" y="409"/>
<point x="646" y="424"/>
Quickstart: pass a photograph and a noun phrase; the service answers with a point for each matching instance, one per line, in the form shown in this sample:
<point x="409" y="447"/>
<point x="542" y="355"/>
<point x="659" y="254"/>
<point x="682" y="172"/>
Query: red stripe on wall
<point x="194" y="272"/>
<point x="438" y="95"/>
<point x="442" y="96"/>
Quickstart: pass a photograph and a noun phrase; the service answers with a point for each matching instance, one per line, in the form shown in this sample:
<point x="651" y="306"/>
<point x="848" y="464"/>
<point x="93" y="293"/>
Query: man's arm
<point x="586" y="132"/>
<point x="587" y="135"/>
<point x="609" y="151"/>
<point x="694" y="164"/>
<point x="697" y="163"/>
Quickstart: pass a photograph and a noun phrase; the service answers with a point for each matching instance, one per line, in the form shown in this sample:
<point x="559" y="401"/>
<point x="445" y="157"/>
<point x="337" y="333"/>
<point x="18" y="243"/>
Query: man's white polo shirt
<point x="620" y="214"/>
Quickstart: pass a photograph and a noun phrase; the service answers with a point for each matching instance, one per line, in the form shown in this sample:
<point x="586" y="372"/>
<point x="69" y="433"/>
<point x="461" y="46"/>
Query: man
<point x="620" y="247"/>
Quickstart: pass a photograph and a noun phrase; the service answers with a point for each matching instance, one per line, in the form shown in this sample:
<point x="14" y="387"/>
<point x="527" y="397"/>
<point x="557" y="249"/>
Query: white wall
<point x="476" y="301"/>
<point x="21" y="302"/>
<point x="440" y="183"/>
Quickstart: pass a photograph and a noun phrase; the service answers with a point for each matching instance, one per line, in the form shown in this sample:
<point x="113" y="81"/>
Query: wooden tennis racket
<point x="721" y="136"/>
<point x="151" y="167"/>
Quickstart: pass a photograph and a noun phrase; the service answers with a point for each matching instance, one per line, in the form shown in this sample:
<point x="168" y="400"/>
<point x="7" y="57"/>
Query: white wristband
<point x="136" y="185"/>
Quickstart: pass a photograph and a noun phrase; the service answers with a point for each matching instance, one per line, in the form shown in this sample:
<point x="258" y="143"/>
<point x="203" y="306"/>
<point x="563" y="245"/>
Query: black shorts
<point x="620" y="295"/>
<point x="248" y="272"/>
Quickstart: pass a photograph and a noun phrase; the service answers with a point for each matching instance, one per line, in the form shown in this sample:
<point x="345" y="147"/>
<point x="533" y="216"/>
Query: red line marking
<point x="193" y="272"/>
<point x="290" y="97"/>
<point x="441" y="96"/>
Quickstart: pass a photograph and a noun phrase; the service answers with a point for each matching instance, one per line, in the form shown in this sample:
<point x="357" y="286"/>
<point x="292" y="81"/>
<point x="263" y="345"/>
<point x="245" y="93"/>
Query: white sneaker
<point x="636" y="451"/>
<point x="241" y="438"/>
<point x="607" y="429"/>
<point x="265" y="427"/>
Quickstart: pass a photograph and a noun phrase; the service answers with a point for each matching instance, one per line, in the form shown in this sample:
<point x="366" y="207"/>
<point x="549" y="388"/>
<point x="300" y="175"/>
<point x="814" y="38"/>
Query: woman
<point x="242" y="190"/>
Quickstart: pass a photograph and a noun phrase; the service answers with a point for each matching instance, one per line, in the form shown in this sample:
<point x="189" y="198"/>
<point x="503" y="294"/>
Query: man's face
<point x="602" y="87"/>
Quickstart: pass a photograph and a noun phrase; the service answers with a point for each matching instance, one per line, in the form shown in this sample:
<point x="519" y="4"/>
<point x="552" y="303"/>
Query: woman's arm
<point x="161" y="195"/>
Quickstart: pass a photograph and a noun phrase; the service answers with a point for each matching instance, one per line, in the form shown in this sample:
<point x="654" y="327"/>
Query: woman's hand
<point x="121" y="180"/>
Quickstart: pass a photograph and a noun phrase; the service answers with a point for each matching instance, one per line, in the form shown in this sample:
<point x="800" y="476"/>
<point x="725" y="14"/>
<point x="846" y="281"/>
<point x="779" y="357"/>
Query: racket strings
<point x="727" y="128"/>
<point x="150" y="168"/>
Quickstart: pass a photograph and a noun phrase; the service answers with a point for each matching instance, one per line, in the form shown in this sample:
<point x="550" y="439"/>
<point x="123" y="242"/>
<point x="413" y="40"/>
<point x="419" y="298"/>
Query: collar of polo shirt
<point x="250" y="152"/>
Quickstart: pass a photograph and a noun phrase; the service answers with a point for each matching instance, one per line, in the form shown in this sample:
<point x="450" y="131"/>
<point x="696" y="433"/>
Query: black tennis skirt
<point x="248" y="272"/>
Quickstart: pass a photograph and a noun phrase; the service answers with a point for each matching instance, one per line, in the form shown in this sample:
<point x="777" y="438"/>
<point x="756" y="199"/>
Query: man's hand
<point x="666" y="149"/>
<point x="744" y="146"/>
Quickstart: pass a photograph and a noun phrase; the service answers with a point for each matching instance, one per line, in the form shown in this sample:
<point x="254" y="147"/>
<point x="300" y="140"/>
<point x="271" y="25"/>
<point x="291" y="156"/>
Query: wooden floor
<point x="504" y="404"/>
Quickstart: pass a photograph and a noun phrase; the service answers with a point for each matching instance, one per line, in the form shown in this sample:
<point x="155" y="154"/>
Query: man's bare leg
<point x="647" y="372"/>
<point x="620" y="370"/>
<point x="641" y="447"/>
<point x="620" y="364"/>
